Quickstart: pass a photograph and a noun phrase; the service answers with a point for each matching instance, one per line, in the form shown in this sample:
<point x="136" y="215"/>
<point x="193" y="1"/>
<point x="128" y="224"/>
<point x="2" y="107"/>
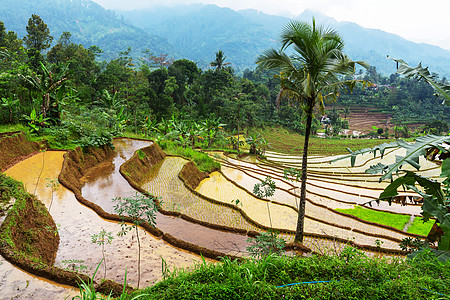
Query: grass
<point x="13" y="127"/>
<point x="419" y="227"/>
<point x="202" y="160"/>
<point x="287" y="141"/>
<point x="350" y="275"/>
<point x="394" y="220"/>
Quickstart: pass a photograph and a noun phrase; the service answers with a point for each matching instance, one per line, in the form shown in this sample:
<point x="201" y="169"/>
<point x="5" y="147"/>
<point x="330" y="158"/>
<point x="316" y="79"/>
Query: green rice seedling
<point x="87" y="289"/>
<point x="101" y="239"/>
<point x="390" y="219"/>
<point x="140" y="209"/>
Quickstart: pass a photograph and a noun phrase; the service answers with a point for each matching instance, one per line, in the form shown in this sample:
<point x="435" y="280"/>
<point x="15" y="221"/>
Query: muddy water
<point x="77" y="224"/>
<point x="104" y="183"/>
<point x="18" y="284"/>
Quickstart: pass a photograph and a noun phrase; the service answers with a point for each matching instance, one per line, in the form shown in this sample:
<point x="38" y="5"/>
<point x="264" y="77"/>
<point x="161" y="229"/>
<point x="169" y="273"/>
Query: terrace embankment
<point x="77" y="162"/>
<point x="14" y="148"/>
<point x="191" y="175"/>
<point x="137" y="166"/>
<point x="28" y="232"/>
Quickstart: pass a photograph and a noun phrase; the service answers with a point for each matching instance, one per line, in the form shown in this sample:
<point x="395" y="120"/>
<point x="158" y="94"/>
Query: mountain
<point x="198" y="31"/>
<point x="88" y="22"/>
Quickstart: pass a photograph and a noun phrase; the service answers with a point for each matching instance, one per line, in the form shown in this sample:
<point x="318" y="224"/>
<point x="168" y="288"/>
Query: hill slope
<point x="197" y="31"/>
<point x="89" y="23"/>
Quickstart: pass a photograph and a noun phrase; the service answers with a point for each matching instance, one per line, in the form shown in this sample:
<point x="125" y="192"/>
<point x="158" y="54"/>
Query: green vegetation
<point x="139" y="209"/>
<point x="203" y="161"/>
<point x="311" y="76"/>
<point x="70" y="99"/>
<point x="419" y="227"/>
<point x="287" y="141"/>
<point x="394" y="220"/>
<point x="351" y="275"/>
<point x="102" y="238"/>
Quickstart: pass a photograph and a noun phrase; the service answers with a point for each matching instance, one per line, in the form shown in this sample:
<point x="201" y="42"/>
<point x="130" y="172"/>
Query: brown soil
<point x="15" y="148"/>
<point x="77" y="163"/>
<point x="191" y="175"/>
<point x="34" y="231"/>
<point x="363" y="118"/>
<point x="137" y="166"/>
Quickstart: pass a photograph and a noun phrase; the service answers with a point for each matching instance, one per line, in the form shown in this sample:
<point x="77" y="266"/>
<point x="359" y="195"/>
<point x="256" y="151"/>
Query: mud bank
<point x="77" y="163"/>
<point x="23" y="228"/>
<point x="191" y="175"/>
<point x="135" y="170"/>
<point x="145" y="158"/>
<point x="14" y="148"/>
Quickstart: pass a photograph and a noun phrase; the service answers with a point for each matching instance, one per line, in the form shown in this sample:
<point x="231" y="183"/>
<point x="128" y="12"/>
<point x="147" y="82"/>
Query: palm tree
<point x="219" y="61"/>
<point x="310" y="75"/>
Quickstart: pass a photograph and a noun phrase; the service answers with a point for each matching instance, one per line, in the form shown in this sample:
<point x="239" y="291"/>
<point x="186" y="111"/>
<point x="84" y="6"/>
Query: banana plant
<point x="257" y="144"/>
<point x="9" y="104"/>
<point x="47" y="85"/>
<point x="436" y="195"/>
<point x="36" y="121"/>
<point x="150" y="126"/>
<point x="421" y="73"/>
<point x="211" y="127"/>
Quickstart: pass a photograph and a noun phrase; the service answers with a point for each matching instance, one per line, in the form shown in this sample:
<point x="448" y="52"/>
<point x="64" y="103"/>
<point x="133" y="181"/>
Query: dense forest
<point x="66" y="91"/>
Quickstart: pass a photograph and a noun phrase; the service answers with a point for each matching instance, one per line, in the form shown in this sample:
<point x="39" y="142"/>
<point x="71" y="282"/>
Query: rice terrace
<point x="311" y="176"/>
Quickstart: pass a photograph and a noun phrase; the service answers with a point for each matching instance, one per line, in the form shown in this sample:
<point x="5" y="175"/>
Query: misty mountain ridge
<point x="197" y="31"/>
<point x="88" y="22"/>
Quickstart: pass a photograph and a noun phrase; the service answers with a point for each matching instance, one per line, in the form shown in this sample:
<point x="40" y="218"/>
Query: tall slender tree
<point x="38" y="35"/>
<point x="311" y="74"/>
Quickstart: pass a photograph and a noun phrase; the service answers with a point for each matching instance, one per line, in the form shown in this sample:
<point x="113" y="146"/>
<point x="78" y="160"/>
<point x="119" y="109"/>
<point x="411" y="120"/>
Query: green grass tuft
<point x="202" y="160"/>
<point x="394" y="220"/>
<point x="351" y="275"/>
<point x="419" y="227"/>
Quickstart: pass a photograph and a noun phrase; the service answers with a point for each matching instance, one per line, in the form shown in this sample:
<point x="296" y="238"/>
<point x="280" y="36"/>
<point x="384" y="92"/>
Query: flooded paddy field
<point x="330" y="186"/>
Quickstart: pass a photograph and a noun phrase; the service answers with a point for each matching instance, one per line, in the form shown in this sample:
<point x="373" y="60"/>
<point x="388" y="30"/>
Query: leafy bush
<point x="351" y="275"/>
<point x="265" y="244"/>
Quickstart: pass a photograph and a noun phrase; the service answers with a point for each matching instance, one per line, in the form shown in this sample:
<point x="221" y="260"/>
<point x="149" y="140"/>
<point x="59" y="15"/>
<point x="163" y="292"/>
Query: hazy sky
<point x="417" y="20"/>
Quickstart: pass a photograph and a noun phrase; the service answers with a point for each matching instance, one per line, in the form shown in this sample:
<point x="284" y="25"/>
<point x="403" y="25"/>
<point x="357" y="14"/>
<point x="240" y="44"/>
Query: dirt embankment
<point x="137" y="166"/>
<point x="28" y="230"/>
<point x="14" y="148"/>
<point x="191" y="175"/>
<point x="77" y="163"/>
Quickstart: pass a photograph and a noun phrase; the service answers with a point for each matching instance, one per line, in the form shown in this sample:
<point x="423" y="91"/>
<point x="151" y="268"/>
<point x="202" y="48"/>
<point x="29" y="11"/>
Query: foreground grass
<point x="287" y="141"/>
<point x="350" y="275"/>
<point x="394" y="220"/>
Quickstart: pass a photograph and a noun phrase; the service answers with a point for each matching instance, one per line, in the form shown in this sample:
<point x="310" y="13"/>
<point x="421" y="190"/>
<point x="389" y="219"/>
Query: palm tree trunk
<point x="301" y="210"/>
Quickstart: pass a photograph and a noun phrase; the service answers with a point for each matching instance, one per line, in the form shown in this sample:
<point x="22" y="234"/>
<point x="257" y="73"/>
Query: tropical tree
<point x="47" y="86"/>
<point x="38" y="36"/>
<point x="218" y="63"/>
<point x="310" y="75"/>
<point x="9" y="103"/>
<point x="112" y="102"/>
